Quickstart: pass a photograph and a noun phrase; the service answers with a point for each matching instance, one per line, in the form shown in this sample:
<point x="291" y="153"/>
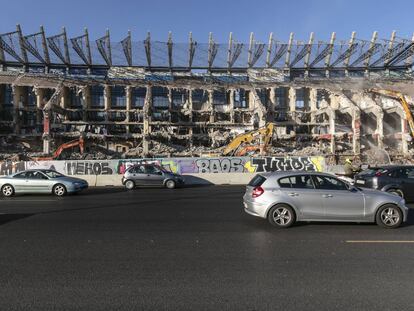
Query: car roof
<point x="279" y="174"/>
<point x="390" y="166"/>
<point x="37" y="170"/>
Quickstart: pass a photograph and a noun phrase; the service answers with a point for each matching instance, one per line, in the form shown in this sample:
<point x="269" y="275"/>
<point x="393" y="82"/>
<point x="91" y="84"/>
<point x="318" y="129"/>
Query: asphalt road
<point x="192" y="249"/>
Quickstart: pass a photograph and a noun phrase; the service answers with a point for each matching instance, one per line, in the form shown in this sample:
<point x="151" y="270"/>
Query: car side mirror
<point x="352" y="188"/>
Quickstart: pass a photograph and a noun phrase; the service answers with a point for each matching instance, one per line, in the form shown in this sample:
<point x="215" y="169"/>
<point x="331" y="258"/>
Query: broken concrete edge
<point x="191" y="117"/>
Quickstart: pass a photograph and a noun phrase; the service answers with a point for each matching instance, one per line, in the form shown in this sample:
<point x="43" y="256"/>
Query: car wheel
<point x="7" y="190"/>
<point x="396" y="192"/>
<point x="281" y="216"/>
<point x="170" y="184"/>
<point x="129" y="184"/>
<point x="389" y="216"/>
<point x="59" y="190"/>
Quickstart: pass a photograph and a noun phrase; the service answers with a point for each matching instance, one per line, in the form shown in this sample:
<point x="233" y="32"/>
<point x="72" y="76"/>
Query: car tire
<point x="129" y="184"/>
<point x="389" y="216"/>
<point x="59" y="190"/>
<point x="170" y="184"/>
<point x="396" y="192"/>
<point x="7" y="190"/>
<point x="281" y="216"/>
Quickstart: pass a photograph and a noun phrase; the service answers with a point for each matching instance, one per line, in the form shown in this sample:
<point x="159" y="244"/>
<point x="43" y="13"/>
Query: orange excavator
<point x="401" y="98"/>
<point x="73" y="143"/>
<point x="256" y="141"/>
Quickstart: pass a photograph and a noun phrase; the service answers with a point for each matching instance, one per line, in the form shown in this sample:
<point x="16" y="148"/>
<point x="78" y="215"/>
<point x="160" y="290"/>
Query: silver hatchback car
<point x="150" y="175"/>
<point x="286" y="197"/>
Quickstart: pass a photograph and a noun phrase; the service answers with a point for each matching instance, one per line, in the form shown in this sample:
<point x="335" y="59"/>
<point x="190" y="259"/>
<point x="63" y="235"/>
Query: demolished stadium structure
<point x="150" y="98"/>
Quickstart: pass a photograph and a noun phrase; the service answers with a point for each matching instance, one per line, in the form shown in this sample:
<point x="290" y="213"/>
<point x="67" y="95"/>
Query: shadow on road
<point x="5" y="218"/>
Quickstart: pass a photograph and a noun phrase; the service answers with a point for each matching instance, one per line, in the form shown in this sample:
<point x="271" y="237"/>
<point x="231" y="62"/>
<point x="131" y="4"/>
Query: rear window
<point x="257" y="181"/>
<point x="300" y="182"/>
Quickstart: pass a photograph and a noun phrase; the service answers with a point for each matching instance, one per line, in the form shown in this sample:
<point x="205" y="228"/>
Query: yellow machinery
<point x="253" y="141"/>
<point x="401" y="98"/>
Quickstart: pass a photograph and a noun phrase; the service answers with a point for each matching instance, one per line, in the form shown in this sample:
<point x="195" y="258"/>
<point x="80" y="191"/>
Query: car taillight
<point x="257" y="192"/>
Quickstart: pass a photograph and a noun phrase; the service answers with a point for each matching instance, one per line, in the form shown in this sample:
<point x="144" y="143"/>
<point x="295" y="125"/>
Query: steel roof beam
<point x="22" y="45"/>
<point x="289" y="50"/>
<point x="78" y="45"/>
<point x="191" y="50"/>
<point x="255" y="51"/>
<point x="170" y="50"/>
<point x="345" y="56"/>
<point x="9" y="49"/>
<point x="104" y="48"/>
<point x="127" y="48"/>
<point x="147" y="43"/>
<point x="212" y="51"/>
<point x="366" y="56"/>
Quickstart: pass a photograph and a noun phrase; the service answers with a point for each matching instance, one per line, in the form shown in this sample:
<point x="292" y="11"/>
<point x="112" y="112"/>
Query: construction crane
<point x="73" y="143"/>
<point x="253" y="141"/>
<point x="401" y="98"/>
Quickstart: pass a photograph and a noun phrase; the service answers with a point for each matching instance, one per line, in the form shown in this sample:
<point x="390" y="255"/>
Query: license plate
<point x="362" y="182"/>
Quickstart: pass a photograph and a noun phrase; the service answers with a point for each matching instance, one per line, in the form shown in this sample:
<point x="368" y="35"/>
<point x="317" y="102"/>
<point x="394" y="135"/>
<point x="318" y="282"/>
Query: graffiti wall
<point x="175" y="165"/>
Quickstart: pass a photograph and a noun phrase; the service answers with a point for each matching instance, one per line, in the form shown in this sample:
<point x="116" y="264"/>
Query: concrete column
<point x="313" y="101"/>
<point x="18" y="103"/>
<point x="65" y="100"/>
<point x="107" y="101"/>
<point x="332" y="121"/>
<point x="405" y="135"/>
<point x="356" y="128"/>
<point x="2" y="86"/>
<point x="231" y="104"/>
<point x="380" y="128"/>
<point x="45" y="126"/>
<point x="128" y="94"/>
<point x="190" y="101"/>
<point x="170" y="106"/>
<point x="211" y="105"/>
<point x="147" y="119"/>
<point x="334" y="106"/>
<point x="272" y="108"/>
<point x="86" y="98"/>
<point x="292" y="103"/>
<point x="40" y="94"/>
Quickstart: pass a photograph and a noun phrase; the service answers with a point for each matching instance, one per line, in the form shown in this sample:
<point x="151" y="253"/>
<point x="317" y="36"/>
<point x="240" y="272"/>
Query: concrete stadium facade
<point x="151" y="98"/>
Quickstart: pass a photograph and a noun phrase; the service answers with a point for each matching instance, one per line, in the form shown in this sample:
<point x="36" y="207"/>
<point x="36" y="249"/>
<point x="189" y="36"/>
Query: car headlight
<point x="77" y="184"/>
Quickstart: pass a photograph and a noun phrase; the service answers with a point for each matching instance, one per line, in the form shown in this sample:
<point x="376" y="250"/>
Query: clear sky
<point x="217" y="16"/>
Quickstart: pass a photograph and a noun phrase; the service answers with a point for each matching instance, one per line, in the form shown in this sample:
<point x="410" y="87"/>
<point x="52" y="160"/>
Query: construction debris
<point x="333" y="108"/>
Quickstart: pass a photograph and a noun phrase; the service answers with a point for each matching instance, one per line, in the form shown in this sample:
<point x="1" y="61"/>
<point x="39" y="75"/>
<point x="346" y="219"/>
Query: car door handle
<point x="327" y="195"/>
<point x="293" y="194"/>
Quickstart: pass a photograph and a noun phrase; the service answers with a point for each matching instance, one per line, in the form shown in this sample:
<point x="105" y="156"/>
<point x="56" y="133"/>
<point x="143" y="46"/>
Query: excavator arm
<point x="240" y="145"/>
<point x="401" y="98"/>
<point x="74" y="143"/>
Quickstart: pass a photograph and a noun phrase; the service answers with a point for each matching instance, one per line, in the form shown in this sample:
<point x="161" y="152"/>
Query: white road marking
<point x="379" y="241"/>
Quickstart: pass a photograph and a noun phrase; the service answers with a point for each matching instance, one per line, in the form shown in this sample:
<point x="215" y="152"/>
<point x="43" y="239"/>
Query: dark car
<point x="150" y="175"/>
<point x="395" y="179"/>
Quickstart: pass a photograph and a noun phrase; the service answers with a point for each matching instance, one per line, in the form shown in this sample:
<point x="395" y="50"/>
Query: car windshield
<point x="53" y="174"/>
